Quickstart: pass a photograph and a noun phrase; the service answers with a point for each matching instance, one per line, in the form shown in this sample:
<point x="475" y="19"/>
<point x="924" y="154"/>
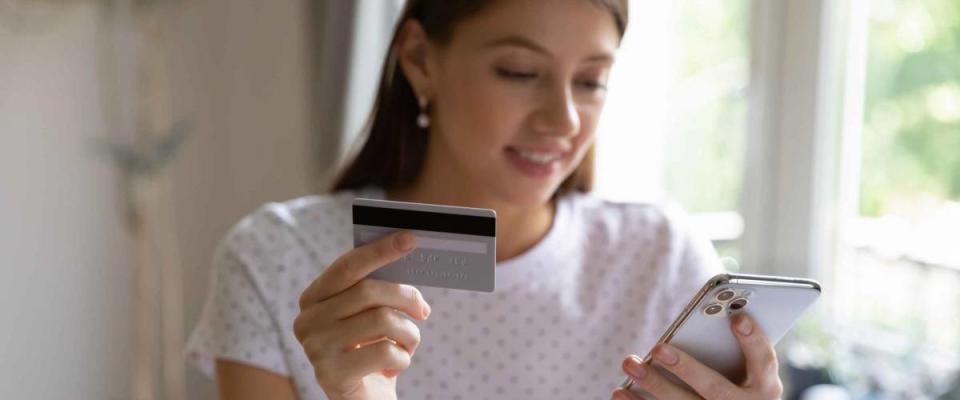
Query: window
<point x="897" y="276"/>
<point x="675" y="123"/>
<point x="810" y="138"/>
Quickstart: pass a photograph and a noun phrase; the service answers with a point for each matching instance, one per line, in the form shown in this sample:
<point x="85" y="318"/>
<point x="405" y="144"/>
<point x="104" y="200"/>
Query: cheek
<point x="589" y="116"/>
<point x="480" y="113"/>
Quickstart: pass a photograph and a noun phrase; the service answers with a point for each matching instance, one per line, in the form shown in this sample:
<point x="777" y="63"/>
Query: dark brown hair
<point x="395" y="147"/>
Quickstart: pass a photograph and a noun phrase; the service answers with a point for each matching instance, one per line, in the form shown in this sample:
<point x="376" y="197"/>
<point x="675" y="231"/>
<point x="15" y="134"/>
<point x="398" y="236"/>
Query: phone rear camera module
<point x="725" y="295"/>
<point x="713" y="309"/>
<point x="738" y="304"/>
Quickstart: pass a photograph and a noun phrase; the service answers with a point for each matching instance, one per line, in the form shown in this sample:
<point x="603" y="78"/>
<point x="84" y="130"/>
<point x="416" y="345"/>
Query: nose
<point x="557" y="114"/>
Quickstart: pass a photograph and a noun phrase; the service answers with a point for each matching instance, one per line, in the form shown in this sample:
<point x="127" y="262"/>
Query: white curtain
<point x="353" y="40"/>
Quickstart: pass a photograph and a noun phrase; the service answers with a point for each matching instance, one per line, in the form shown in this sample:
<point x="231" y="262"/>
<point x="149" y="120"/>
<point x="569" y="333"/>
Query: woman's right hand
<point x="352" y="328"/>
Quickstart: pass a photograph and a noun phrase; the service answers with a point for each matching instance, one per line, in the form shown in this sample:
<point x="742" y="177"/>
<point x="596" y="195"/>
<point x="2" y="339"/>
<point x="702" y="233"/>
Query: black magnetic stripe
<point x="425" y="221"/>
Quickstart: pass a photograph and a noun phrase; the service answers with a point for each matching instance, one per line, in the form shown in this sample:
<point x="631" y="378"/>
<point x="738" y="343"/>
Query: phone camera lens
<point x="725" y="295"/>
<point x="713" y="309"/>
<point x="738" y="304"/>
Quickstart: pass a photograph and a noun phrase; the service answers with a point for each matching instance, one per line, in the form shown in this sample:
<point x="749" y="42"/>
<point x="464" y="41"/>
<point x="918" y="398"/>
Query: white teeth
<point x="539" y="158"/>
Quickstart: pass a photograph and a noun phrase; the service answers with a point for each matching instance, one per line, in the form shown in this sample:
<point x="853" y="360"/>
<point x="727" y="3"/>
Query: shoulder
<point x="259" y="270"/>
<point x="297" y="237"/>
<point x="657" y="239"/>
<point x="300" y="219"/>
<point x="611" y="219"/>
<point x="657" y="236"/>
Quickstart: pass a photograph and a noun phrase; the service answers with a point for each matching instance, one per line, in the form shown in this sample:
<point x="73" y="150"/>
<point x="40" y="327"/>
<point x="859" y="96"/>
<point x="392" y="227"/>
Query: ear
<point x="413" y="54"/>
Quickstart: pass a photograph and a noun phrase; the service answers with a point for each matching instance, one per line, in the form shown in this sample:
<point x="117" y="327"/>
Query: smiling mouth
<point x="537" y="164"/>
<point x="537" y="157"/>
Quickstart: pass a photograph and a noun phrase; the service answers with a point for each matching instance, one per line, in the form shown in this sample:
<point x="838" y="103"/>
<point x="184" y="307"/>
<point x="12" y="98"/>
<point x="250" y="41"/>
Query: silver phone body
<point x="774" y="302"/>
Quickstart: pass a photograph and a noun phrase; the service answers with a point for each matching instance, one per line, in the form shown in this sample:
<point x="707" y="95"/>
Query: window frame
<point x="791" y="179"/>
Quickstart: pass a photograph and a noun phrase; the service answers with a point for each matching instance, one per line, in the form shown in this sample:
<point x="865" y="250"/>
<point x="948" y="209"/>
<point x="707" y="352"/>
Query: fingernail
<point x="744" y="326"/>
<point x="666" y="355"/>
<point x="635" y="367"/>
<point x="426" y="310"/>
<point x="404" y="241"/>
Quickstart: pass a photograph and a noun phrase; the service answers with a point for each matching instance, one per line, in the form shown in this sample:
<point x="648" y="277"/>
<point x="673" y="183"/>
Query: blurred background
<point x="806" y="137"/>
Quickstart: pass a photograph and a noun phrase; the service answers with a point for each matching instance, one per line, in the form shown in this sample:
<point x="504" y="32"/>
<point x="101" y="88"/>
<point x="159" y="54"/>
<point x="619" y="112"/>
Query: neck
<point x="518" y="227"/>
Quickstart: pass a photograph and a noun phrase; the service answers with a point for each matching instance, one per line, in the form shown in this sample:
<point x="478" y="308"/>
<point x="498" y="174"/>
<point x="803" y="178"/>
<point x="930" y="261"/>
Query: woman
<point x="487" y="104"/>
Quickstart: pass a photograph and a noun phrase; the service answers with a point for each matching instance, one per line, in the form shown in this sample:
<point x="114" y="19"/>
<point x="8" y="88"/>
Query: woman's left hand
<point x="761" y="383"/>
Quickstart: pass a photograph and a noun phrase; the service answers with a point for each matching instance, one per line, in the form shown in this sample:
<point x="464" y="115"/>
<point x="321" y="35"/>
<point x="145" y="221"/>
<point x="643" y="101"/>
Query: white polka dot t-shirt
<point x="604" y="282"/>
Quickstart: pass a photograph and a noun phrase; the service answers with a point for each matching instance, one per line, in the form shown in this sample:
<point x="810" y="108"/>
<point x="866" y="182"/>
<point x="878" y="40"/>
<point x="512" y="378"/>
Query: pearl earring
<point x="423" y="120"/>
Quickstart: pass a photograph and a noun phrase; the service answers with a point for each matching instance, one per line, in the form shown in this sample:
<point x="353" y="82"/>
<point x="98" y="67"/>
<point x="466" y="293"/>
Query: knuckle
<point x="382" y="249"/>
<point x="298" y="329"/>
<point x="345" y="269"/>
<point x="771" y="368"/>
<point x="384" y="315"/>
<point x="404" y="361"/>
<point x="770" y="388"/>
<point x="775" y="390"/>
<point x="413" y="330"/>
<point x="384" y="351"/>
<point x="400" y="358"/>
<point x="769" y="365"/>
<point x="302" y="301"/>
<point x="367" y="289"/>
<point x="312" y="348"/>
<point x="310" y="323"/>
<point x="771" y="360"/>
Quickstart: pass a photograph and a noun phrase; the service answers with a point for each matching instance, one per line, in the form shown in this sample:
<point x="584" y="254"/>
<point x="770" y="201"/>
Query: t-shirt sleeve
<point x="698" y="261"/>
<point x="235" y="324"/>
<point x="695" y="261"/>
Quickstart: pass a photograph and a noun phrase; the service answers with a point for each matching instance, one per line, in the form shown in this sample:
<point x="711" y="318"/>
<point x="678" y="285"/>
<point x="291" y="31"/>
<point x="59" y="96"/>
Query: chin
<point x="527" y="194"/>
<point x="513" y="185"/>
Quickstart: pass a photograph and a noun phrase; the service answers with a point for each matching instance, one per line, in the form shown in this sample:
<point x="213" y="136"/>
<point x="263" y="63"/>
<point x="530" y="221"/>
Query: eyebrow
<point x="520" y="41"/>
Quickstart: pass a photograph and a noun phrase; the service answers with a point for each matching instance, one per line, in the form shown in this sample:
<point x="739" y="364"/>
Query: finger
<point x="708" y="383"/>
<point x="367" y="295"/>
<point x="372" y="293"/>
<point x="375" y="358"/>
<point x="374" y="325"/>
<point x="356" y="264"/>
<point x="653" y="381"/>
<point x="760" y="356"/>
<point x="624" y="394"/>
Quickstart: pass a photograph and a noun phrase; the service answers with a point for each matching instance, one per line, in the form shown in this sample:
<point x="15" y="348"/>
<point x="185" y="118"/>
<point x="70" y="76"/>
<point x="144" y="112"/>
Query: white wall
<point x="238" y="72"/>
<point x="66" y="275"/>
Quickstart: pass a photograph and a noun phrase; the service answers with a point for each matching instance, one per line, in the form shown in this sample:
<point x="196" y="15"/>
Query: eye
<point x="515" y="75"/>
<point x="592" y="85"/>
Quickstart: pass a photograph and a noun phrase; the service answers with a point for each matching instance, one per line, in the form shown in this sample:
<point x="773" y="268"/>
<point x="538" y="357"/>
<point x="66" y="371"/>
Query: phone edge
<point x="717" y="280"/>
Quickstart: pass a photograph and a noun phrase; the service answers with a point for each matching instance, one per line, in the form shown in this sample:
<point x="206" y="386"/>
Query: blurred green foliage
<point x="705" y="150"/>
<point x="911" y="131"/>
<point x="911" y="136"/>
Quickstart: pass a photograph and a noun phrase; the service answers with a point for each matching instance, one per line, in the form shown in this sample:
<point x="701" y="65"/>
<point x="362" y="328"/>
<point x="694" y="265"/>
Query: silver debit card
<point x="456" y="246"/>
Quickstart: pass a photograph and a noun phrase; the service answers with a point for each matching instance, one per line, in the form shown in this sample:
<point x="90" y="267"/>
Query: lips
<point x="537" y="156"/>
<point x="536" y="163"/>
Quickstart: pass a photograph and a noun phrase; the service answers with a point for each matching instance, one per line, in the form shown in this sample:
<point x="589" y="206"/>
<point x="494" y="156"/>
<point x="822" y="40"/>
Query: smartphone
<point x="703" y="328"/>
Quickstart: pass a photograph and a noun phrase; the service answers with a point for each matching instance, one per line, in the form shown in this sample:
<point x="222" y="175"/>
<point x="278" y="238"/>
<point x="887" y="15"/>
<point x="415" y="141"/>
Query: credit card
<point x="456" y="246"/>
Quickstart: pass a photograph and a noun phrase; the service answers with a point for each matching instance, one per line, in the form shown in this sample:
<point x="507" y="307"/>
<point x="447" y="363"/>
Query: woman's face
<point x="516" y="94"/>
